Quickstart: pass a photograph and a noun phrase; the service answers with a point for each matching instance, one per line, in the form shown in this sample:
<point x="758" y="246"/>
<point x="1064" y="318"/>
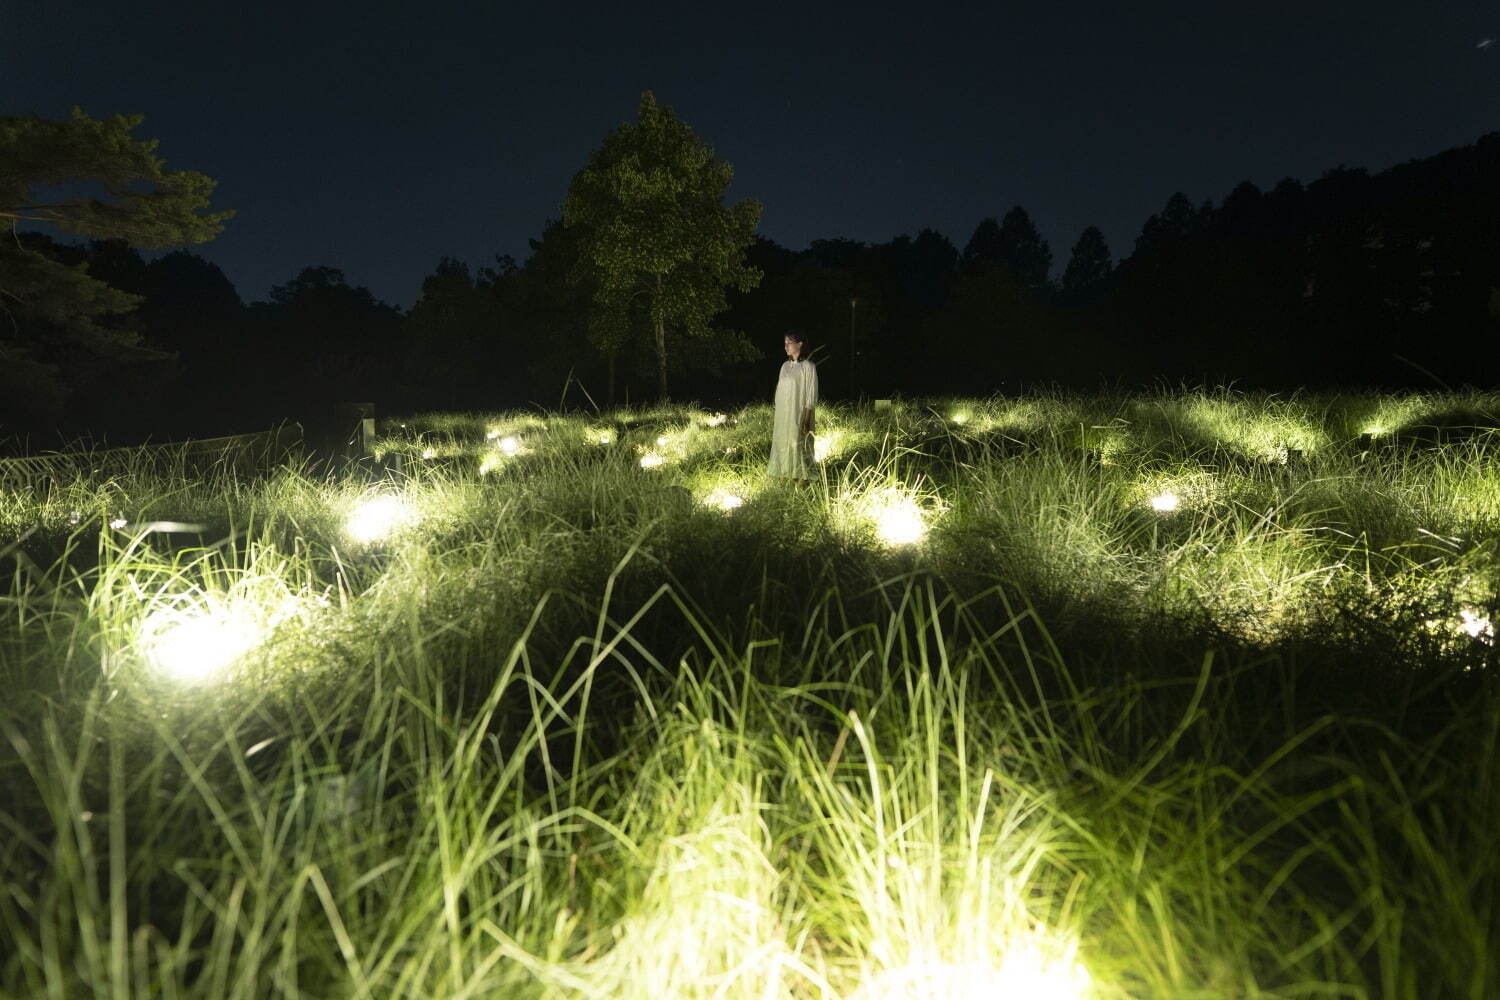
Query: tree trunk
<point x="661" y="345"/>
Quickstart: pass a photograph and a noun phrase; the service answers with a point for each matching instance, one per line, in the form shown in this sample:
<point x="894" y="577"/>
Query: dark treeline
<point x="1385" y="279"/>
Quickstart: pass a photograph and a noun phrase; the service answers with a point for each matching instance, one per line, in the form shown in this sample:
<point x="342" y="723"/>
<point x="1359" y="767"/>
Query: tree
<point x="985" y="246"/>
<point x="1088" y="265"/>
<point x="455" y="330"/>
<point x="1024" y="250"/>
<point x="89" y="177"/>
<point x="657" y="239"/>
<point x="321" y="338"/>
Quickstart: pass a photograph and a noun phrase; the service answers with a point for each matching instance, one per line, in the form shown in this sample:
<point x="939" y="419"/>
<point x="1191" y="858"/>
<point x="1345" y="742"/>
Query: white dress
<point x="796" y="398"/>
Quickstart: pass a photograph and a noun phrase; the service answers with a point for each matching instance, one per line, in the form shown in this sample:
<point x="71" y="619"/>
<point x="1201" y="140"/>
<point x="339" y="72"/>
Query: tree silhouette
<point x="322" y="339"/>
<point x="1023" y="250"/>
<point x="656" y="234"/>
<point x="986" y="246"/>
<point x="58" y="322"/>
<point x="461" y="356"/>
<point x="1088" y="266"/>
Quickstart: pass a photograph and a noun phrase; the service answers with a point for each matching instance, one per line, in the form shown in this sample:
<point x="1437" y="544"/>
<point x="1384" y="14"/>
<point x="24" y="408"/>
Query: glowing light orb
<point x="118" y="523"/>
<point x="960" y="418"/>
<point x="429" y="453"/>
<point x="651" y="460"/>
<point x="1165" y="502"/>
<point x="898" y="518"/>
<point x="661" y="442"/>
<point x="377" y="518"/>
<point x="193" y="647"/>
<point x="725" y="500"/>
<point x="715" y="419"/>
<point x="1022" y="974"/>
<point x="822" y="448"/>
<point x="1475" y="625"/>
<point x="509" y="446"/>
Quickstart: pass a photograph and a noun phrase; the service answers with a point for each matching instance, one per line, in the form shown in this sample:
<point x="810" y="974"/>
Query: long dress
<point x="796" y="398"/>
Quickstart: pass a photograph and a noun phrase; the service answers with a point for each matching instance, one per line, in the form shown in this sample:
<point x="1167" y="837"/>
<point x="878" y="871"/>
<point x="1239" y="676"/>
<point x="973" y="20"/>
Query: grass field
<point x="1181" y="695"/>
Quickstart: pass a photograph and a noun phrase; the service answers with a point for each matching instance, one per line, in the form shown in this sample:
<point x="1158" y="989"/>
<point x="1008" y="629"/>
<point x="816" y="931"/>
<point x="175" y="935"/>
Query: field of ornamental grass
<point x="1179" y="695"/>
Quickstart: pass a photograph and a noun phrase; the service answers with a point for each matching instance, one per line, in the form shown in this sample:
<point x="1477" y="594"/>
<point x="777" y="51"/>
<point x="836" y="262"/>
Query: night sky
<point x="379" y="141"/>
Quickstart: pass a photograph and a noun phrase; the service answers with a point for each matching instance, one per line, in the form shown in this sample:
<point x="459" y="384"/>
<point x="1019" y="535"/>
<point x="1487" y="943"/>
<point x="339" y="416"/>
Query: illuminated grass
<point x="577" y="728"/>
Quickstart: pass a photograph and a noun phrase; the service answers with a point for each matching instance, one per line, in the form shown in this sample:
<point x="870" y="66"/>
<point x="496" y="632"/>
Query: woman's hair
<point x="798" y="336"/>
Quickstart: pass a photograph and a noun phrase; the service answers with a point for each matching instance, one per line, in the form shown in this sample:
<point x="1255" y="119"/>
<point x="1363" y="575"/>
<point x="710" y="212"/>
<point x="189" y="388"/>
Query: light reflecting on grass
<point x="568" y="730"/>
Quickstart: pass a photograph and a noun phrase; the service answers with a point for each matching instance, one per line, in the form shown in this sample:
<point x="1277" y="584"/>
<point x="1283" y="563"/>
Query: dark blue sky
<point x="378" y="136"/>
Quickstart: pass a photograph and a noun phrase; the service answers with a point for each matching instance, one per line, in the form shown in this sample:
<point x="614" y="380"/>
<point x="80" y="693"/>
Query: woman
<point x="796" y="398"/>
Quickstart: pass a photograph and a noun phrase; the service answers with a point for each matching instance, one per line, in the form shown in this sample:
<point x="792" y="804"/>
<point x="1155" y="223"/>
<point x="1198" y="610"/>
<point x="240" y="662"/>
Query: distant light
<point x="725" y="500"/>
<point x="898" y="518"/>
<point x="1474" y="624"/>
<point x="374" y="519"/>
<point x="193" y="647"/>
<point x="651" y="460"/>
<point x="509" y="446"/>
<point x="1164" y="502"/>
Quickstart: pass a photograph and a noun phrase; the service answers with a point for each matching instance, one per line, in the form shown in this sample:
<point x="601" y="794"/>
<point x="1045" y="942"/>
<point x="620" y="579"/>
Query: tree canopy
<point x="657" y="244"/>
<point x="89" y="177"/>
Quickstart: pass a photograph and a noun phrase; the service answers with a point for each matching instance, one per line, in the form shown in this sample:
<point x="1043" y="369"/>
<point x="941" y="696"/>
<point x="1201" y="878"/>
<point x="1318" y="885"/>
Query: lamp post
<point x="853" y="304"/>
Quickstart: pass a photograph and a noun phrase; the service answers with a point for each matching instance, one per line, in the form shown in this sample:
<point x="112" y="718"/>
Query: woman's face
<point x="793" y="347"/>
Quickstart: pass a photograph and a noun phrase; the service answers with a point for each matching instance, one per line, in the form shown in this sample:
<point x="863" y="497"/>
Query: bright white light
<point x="661" y="442"/>
<point x="509" y="446"/>
<point x="374" y="519"/>
<point x="822" y="448"/>
<point x="725" y="500"/>
<point x="960" y="418"/>
<point x="715" y="419"/>
<point x="118" y="523"/>
<point x="191" y="647"/>
<point x="651" y="460"/>
<point x="429" y="453"/>
<point x="1023" y="973"/>
<point x="898" y="518"/>
<point x="1164" y="502"/>
<point x="1475" y="625"/>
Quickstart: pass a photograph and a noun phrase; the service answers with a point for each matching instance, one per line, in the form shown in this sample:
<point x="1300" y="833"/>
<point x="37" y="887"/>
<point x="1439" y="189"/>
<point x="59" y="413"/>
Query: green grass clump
<point x="977" y="712"/>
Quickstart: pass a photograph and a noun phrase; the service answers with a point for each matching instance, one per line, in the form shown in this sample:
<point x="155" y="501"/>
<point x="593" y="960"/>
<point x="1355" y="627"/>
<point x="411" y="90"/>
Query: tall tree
<point x="985" y="246"/>
<point x="323" y="338"/>
<point x="93" y="178"/>
<point x="657" y="237"/>
<point x="1024" y="250"/>
<point x="1088" y="265"/>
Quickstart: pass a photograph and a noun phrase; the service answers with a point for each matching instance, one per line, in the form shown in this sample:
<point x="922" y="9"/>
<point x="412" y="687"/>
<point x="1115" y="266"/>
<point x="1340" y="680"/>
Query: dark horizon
<point x="381" y="146"/>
